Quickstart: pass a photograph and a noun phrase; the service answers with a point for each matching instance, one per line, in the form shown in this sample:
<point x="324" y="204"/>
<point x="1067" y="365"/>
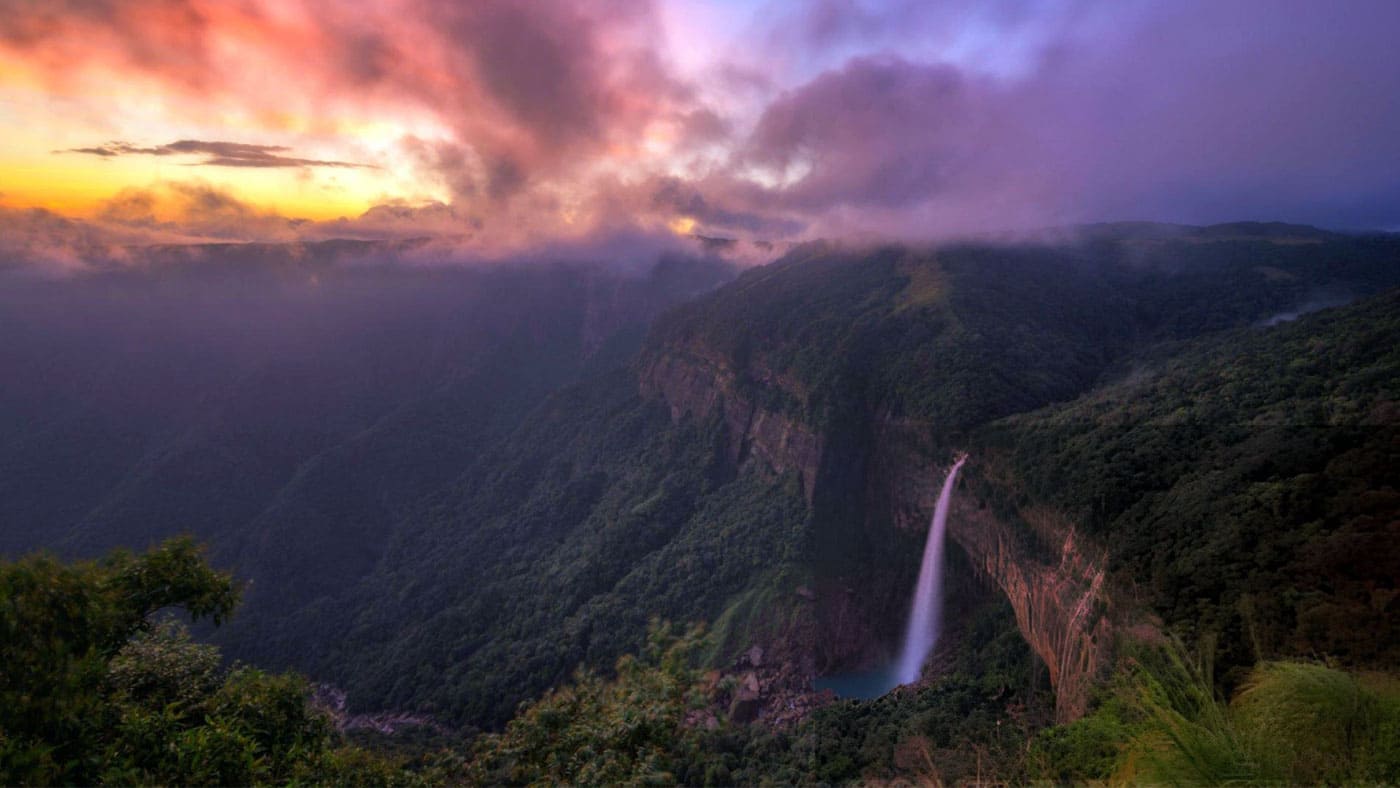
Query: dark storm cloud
<point x="882" y="132"/>
<point x="675" y="196"/>
<point x="216" y="154"/>
<point x="536" y="89"/>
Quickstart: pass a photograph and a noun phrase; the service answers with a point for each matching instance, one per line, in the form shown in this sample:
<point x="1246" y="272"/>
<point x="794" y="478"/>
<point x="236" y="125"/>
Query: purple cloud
<point x="880" y="132"/>
<point x="901" y="118"/>
<point x="1191" y="112"/>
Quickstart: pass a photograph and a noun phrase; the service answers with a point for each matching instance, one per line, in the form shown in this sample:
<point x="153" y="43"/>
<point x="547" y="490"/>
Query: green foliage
<point x="931" y="336"/>
<point x="291" y="409"/>
<point x="962" y="334"/>
<point x="91" y="693"/>
<point x="619" y="514"/>
<point x="1293" y="723"/>
<point x="1185" y="737"/>
<point x="164" y="667"/>
<point x="657" y="722"/>
<point x="453" y="539"/>
<point x="1086" y="749"/>
<point x="448" y="535"/>
<point x="599" y="516"/>
<point x="643" y="727"/>
<point x="767" y="609"/>
<point x="1246" y="484"/>
<point x="973" y="721"/>
<point x="60" y="626"/>
<point x="1307" y="723"/>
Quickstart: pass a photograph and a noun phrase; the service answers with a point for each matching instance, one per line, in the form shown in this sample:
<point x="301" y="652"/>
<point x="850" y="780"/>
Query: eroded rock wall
<point x="1061" y="604"/>
<point x="693" y="383"/>
<point x="1054" y="582"/>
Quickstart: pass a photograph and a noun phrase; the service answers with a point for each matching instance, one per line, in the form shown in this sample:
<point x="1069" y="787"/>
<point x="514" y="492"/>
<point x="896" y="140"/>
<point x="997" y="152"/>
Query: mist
<point x="270" y="354"/>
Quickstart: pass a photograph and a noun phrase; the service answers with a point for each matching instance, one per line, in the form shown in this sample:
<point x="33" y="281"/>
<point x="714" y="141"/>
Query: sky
<point x="517" y="125"/>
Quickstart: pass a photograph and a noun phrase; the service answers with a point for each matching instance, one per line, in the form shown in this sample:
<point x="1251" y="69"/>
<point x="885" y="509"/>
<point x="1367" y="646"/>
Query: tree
<point x="644" y="726"/>
<point x="92" y="692"/>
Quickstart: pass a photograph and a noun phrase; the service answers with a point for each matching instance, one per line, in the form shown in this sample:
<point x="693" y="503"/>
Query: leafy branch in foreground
<point x="91" y="692"/>
<point x="1290" y="723"/>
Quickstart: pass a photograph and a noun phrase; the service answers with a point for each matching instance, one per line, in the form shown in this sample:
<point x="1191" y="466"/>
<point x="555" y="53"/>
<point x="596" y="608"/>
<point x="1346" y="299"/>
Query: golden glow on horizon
<point x="78" y="184"/>
<point x="73" y="186"/>
<point x="528" y="123"/>
<point x="430" y="128"/>
<point x="40" y="123"/>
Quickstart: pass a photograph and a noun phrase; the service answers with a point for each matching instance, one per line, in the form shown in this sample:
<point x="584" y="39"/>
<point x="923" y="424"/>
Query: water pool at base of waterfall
<point x="860" y="685"/>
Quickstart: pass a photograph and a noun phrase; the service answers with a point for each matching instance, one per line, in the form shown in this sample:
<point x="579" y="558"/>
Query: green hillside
<point x="600" y="509"/>
<point x="454" y="528"/>
<point x="1246" y="484"/>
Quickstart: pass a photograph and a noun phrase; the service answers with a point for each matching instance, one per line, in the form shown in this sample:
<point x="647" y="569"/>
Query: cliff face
<point x="848" y="613"/>
<point x="698" y="384"/>
<point x="1061" y="604"/>
<point x="1058" y="594"/>
<point x="1054" y="582"/>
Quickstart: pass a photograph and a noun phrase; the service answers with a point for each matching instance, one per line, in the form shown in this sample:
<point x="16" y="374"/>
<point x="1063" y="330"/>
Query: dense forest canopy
<point x="451" y="493"/>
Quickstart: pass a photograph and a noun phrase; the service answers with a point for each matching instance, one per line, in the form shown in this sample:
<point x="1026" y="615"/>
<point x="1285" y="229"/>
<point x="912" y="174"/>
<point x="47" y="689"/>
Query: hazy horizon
<point x="503" y="132"/>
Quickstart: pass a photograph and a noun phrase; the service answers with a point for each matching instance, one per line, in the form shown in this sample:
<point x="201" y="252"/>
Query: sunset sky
<point x="507" y="124"/>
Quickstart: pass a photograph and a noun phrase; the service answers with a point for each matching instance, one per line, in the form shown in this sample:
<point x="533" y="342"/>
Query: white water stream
<point x="924" y="617"/>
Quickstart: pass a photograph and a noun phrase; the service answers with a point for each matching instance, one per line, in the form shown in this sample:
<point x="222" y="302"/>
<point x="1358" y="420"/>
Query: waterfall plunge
<point x="922" y="634"/>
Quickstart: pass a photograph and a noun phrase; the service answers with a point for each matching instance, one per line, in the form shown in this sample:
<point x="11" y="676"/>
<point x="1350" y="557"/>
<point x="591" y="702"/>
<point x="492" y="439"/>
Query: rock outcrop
<point x="694" y="383"/>
<point x="1061" y="604"/>
<point x="331" y="700"/>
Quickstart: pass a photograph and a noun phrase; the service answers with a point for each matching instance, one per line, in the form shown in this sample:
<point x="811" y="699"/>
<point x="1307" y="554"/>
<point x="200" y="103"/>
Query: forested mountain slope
<point x="1236" y="492"/>
<point x="1246" y="485"/>
<point x="450" y="489"/>
<point x="287" y="404"/>
<point x="770" y="474"/>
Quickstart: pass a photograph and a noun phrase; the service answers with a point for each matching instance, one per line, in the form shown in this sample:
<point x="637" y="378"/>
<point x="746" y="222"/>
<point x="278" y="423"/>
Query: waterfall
<point x="922" y="634"/>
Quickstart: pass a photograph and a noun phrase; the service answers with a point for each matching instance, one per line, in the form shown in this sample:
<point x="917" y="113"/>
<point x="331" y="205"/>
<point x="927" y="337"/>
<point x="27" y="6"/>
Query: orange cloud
<point x="557" y="119"/>
<point x="511" y="109"/>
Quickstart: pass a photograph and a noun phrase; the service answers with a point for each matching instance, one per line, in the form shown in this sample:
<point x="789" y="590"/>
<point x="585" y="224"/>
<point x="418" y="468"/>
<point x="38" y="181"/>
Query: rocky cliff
<point x="699" y="384"/>
<point x="1055" y="584"/>
<point x="1059" y="595"/>
<point x="1052" y="578"/>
